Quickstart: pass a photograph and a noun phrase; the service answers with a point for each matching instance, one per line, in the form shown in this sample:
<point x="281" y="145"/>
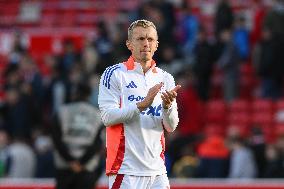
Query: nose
<point x="146" y="43"/>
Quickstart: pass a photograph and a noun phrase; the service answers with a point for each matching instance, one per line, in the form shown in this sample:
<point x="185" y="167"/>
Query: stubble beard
<point x="145" y="58"/>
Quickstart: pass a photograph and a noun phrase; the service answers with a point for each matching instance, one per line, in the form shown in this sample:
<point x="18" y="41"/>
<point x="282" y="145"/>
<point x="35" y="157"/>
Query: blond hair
<point x="139" y="23"/>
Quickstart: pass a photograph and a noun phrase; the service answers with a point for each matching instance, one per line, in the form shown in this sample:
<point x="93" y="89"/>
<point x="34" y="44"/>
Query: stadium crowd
<point x="228" y="73"/>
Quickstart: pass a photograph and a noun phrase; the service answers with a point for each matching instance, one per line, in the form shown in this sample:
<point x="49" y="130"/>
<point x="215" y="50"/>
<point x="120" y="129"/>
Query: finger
<point x="159" y="85"/>
<point x="166" y="97"/>
<point x="176" y="88"/>
<point x="172" y="94"/>
<point x="163" y="98"/>
<point x="166" y="102"/>
<point x="156" y="88"/>
<point x="169" y="96"/>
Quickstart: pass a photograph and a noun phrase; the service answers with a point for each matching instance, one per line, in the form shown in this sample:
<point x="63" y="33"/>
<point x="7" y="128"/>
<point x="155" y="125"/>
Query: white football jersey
<point x="135" y="140"/>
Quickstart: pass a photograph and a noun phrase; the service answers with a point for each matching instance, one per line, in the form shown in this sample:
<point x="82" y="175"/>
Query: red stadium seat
<point x="262" y="105"/>
<point x="279" y="104"/>
<point x="215" y="112"/>
<point x="239" y="105"/>
<point x="239" y="118"/>
<point x="216" y="105"/>
<point x="214" y="129"/>
<point x="247" y="80"/>
<point x="263" y="119"/>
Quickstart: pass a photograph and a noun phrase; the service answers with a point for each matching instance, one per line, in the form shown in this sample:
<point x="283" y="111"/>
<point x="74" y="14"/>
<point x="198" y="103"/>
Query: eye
<point x="150" y="39"/>
<point x="141" y="38"/>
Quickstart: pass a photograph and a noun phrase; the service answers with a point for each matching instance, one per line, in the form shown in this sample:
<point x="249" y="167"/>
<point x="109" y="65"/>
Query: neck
<point x="146" y="65"/>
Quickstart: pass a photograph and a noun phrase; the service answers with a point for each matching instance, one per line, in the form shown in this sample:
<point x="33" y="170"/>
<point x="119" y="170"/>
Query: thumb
<point x="176" y="88"/>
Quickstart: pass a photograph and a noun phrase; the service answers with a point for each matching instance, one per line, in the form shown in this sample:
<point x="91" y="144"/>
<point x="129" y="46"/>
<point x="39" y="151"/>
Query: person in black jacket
<point x="78" y="145"/>
<point x="203" y="65"/>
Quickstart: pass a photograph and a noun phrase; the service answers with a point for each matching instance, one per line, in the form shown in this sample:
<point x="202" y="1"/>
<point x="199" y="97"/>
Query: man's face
<point x="143" y="43"/>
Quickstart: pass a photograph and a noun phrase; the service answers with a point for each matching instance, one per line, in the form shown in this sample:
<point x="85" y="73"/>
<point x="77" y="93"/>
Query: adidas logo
<point x="131" y="85"/>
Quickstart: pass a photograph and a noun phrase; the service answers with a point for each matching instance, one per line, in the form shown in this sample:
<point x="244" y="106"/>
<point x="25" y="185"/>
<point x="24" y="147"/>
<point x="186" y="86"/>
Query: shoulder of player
<point x="161" y="71"/>
<point x="111" y="73"/>
<point x="114" y="68"/>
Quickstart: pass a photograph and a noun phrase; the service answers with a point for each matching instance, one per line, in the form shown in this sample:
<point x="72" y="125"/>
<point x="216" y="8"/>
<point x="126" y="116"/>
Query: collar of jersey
<point x="132" y="65"/>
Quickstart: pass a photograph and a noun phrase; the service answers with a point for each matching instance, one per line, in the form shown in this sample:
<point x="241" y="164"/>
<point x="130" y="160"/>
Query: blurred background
<point x="227" y="55"/>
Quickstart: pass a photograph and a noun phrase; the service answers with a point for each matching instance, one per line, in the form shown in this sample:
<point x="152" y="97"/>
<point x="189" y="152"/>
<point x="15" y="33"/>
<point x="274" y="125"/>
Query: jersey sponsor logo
<point x="107" y="75"/>
<point x="131" y="85"/>
<point x="153" y="110"/>
<point x="135" y="98"/>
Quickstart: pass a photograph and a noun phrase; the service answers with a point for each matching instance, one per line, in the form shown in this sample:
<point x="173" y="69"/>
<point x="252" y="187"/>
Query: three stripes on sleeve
<point x="107" y="75"/>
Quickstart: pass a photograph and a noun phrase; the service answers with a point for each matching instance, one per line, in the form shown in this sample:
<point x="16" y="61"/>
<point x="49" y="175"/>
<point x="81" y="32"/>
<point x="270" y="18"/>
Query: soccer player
<point x="137" y="101"/>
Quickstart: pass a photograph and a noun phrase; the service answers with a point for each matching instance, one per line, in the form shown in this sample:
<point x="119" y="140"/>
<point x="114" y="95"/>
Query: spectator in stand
<point x="144" y="11"/>
<point x="224" y="18"/>
<point x="89" y="57"/>
<point x="258" y="146"/>
<point x="280" y="148"/>
<point x="169" y="61"/>
<point x="12" y="76"/>
<point x="229" y="63"/>
<point x="161" y="13"/>
<point x="214" y="156"/>
<point x="274" y="22"/>
<point x="121" y="52"/>
<point x="94" y="83"/>
<point x="242" y="161"/>
<point x="104" y="47"/>
<point x="188" y="26"/>
<point x="18" y="49"/>
<point x="203" y="64"/>
<point x="4" y="141"/>
<point x="190" y="109"/>
<point x="44" y="155"/>
<point x="76" y="135"/>
<point x="155" y="14"/>
<point x="274" y="163"/>
<point x="186" y="166"/>
<point x="19" y="114"/>
<point x="166" y="31"/>
<point x="259" y="12"/>
<point x="21" y="159"/>
<point x="68" y="58"/>
<point x="241" y="38"/>
<point x="266" y="67"/>
<point x="30" y="75"/>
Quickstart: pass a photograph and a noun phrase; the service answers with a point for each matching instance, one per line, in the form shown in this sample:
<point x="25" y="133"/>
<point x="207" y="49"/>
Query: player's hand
<point x="169" y="96"/>
<point x="152" y="93"/>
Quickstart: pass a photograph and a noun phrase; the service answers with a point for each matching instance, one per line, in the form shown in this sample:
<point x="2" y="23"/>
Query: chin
<point x="146" y="58"/>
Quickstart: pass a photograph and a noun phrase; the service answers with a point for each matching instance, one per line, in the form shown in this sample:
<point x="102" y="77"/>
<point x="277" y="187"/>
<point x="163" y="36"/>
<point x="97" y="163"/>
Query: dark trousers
<point x="67" y="179"/>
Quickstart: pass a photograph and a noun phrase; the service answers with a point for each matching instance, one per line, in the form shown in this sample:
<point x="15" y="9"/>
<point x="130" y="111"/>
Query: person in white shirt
<point x="137" y="101"/>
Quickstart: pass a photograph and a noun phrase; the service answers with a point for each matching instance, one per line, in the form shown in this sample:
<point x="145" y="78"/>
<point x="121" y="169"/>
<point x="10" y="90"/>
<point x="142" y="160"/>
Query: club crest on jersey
<point x="131" y="85"/>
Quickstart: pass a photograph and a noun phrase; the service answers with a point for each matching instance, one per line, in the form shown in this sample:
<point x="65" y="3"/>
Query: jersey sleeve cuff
<point x="168" y="110"/>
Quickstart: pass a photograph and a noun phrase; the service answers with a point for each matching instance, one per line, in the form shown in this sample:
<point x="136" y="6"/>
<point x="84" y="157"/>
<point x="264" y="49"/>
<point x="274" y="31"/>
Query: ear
<point x="128" y="45"/>
<point x="157" y="45"/>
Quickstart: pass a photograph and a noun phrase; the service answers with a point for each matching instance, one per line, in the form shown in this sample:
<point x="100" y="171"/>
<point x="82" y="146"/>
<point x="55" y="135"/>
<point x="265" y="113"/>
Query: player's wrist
<point x="167" y="106"/>
<point x="141" y="106"/>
